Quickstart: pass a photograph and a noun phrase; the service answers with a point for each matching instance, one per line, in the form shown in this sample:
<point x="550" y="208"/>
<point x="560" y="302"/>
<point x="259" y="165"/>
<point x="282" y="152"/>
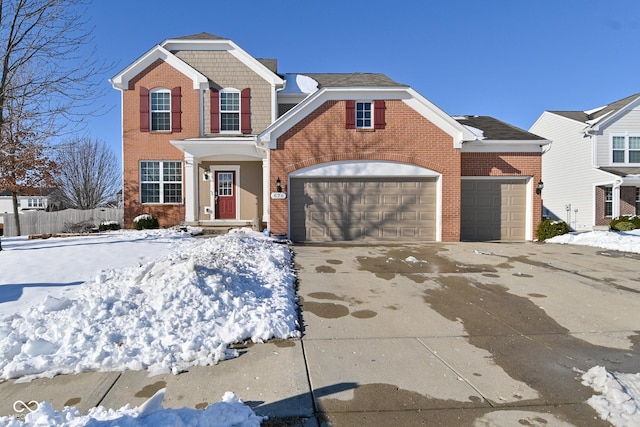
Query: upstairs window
<point x="364" y="115"/>
<point x="625" y="149"/>
<point x="160" y="110"/>
<point x="229" y="111"/>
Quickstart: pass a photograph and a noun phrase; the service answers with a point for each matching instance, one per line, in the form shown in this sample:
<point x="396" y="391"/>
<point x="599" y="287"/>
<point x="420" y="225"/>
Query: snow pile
<point x="628" y="241"/>
<point x="231" y="411"/>
<point x="164" y="315"/>
<point x="619" y="402"/>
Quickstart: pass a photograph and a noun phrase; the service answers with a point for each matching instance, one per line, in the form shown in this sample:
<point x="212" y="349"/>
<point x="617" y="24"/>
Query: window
<point x="625" y="149"/>
<point x="225" y="184"/>
<point x="35" y="203"/>
<point x="161" y="182"/>
<point x="363" y="115"/>
<point x="637" y="200"/>
<point x="229" y="111"/>
<point x="608" y="201"/>
<point x="160" y="109"/>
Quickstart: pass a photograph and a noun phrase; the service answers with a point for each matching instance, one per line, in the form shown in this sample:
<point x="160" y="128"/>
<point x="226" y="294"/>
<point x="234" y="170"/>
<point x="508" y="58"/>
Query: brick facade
<point x="139" y="146"/>
<point x="408" y="137"/>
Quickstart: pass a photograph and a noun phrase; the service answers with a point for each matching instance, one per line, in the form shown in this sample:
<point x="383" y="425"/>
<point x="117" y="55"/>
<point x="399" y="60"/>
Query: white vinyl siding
<point x="627" y="125"/>
<point x="567" y="171"/>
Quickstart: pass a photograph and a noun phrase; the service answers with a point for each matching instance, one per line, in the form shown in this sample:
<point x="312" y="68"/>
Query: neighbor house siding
<point x="139" y="145"/>
<point x="567" y="171"/>
<point x="408" y="138"/>
<point x="628" y="122"/>
<point x="226" y="71"/>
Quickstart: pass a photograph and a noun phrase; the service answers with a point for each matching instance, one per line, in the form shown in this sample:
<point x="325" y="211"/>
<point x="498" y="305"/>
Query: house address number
<point x="278" y="196"/>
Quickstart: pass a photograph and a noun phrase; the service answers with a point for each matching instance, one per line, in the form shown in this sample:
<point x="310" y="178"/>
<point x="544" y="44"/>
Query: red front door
<point x="225" y="195"/>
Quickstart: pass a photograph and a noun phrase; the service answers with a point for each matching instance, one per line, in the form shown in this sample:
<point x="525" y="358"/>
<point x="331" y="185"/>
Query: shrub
<point x="109" y="225"/>
<point x="633" y="219"/>
<point x="550" y="228"/>
<point x="79" y="227"/>
<point x="145" y="222"/>
<point x="624" y="226"/>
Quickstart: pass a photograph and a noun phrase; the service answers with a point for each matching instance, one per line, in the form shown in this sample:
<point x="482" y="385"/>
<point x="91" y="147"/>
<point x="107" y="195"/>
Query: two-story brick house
<point x="213" y="136"/>
<point x="592" y="172"/>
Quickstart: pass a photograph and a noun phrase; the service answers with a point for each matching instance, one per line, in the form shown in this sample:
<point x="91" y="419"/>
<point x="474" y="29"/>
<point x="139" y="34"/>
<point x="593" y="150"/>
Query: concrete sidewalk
<point x="434" y="334"/>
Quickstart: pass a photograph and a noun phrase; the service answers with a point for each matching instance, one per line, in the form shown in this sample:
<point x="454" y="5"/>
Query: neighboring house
<point x="30" y="199"/>
<point x="213" y="136"/>
<point x="591" y="173"/>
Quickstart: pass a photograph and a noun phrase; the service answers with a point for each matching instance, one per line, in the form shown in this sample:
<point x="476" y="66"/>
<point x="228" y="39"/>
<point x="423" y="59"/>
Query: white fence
<point x="38" y="222"/>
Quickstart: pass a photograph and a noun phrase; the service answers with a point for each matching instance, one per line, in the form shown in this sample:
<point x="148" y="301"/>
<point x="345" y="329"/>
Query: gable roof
<point x="597" y="116"/>
<point x="201" y="41"/>
<point x="497" y="130"/>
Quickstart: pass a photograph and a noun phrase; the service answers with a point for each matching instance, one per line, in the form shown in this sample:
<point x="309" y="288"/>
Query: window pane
<point x="634" y="156"/>
<point x="149" y="171"/>
<point x="172" y="171"/>
<point x="634" y="142"/>
<point x="160" y="121"/>
<point x="230" y="121"/>
<point x="618" y="156"/>
<point x="363" y="114"/>
<point x="618" y="143"/>
<point x="150" y="193"/>
<point x="229" y="101"/>
<point x="160" y="101"/>
<point x="172" y="193"/>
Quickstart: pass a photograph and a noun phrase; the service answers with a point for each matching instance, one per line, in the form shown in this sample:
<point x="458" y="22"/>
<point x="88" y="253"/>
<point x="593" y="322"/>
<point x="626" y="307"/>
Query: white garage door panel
<point x="344" y="209"/>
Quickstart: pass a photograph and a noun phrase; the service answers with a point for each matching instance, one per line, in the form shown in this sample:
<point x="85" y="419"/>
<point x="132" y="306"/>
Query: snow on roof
<point x="477" y="132"/>
<point x="299" y="83"/>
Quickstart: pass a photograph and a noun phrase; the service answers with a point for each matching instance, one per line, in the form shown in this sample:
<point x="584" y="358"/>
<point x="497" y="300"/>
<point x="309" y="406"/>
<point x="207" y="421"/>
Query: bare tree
<point x="48" y="80"/>
<point x="88" y="173"/>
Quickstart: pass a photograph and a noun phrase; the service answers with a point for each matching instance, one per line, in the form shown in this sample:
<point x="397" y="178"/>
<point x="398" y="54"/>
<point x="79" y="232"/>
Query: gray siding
<point x="225" y="71"/>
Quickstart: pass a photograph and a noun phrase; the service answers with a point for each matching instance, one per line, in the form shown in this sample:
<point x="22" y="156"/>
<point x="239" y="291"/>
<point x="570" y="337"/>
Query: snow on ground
<point x="627" y="241"/>
<point x="231" y="411"/>
<point x="155" y="300"/>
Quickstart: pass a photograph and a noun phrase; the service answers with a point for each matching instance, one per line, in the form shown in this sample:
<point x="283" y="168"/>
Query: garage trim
<point x="529" y="191"/>
<point x="371" y="168"/>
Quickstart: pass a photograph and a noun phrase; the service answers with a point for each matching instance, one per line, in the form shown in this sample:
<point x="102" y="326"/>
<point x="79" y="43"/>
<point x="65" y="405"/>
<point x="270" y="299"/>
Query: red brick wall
<point x="508" y="164"/>
<point x="627" y="201"/>
<point x="139" y="146"/>
<point x="408" y="137"/>
<point x="600" y="201"/>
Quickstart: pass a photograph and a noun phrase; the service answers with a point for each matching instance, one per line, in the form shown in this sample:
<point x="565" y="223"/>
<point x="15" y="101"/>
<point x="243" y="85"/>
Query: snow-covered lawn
<point x="155" y="300"/>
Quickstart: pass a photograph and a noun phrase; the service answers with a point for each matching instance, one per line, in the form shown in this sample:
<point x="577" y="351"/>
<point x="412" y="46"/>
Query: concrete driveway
<point x="465" y="333"/>
<point x="459" y="334"/>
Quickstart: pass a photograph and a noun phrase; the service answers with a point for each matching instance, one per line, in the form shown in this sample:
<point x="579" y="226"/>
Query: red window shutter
<point x="245" y="110"/>
<point x="215" y="111"/>
<point x="176" y="109"/>
<point x="378" y="114"/>
<point x="350" y="118"/>
<point x="144" y="109"/>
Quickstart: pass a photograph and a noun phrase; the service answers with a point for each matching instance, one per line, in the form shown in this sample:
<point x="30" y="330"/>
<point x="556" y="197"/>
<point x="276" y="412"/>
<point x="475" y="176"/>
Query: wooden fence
<point x="39" y="222"/>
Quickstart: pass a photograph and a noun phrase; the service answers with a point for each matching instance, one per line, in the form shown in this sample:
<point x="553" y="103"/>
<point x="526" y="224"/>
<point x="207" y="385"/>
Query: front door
<point x="225" y="185"/>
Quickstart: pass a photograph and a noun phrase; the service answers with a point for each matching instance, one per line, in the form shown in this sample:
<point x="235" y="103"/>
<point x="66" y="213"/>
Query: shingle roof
<point x="352" y="79"/>
<point x="494" y="129"/>
<point x="200" y="36"/>
<point x="584" y="117"/>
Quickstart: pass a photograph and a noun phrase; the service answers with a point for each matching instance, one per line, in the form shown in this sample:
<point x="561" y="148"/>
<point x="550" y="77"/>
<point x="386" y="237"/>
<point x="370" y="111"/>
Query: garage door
<point x="493" y="210"/>
<point x="360" y="209"/>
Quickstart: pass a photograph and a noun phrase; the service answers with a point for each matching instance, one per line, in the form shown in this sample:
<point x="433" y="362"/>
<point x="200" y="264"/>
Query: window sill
<point x="365" y="130"/>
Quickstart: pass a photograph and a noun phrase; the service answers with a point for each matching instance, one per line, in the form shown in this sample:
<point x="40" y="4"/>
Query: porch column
<point x="266" y="185"/>
<point x="191" y="188"/>
<point x="615" y="205"/>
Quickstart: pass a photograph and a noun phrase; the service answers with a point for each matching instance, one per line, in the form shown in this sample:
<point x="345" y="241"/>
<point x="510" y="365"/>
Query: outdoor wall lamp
<point x="278" y="185"/>
<point x="539" y="187"/>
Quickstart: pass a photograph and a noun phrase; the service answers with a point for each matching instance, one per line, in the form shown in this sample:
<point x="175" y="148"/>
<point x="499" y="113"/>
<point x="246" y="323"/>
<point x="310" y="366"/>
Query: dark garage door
<point x="493" y="210"/>
<point x="352" y="209"/>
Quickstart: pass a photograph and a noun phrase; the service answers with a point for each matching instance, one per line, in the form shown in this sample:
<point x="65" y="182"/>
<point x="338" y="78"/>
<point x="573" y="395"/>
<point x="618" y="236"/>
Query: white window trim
<point x="626" y="136"/>
<point x="161" y="182"/>
<point x="220" y="112"/>
<point x="151" y="110"/>
<point x="372" y="111"/>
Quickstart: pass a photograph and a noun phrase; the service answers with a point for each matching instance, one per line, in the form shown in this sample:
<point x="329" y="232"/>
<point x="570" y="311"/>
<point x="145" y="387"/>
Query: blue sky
<point x="510" y="59"/>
